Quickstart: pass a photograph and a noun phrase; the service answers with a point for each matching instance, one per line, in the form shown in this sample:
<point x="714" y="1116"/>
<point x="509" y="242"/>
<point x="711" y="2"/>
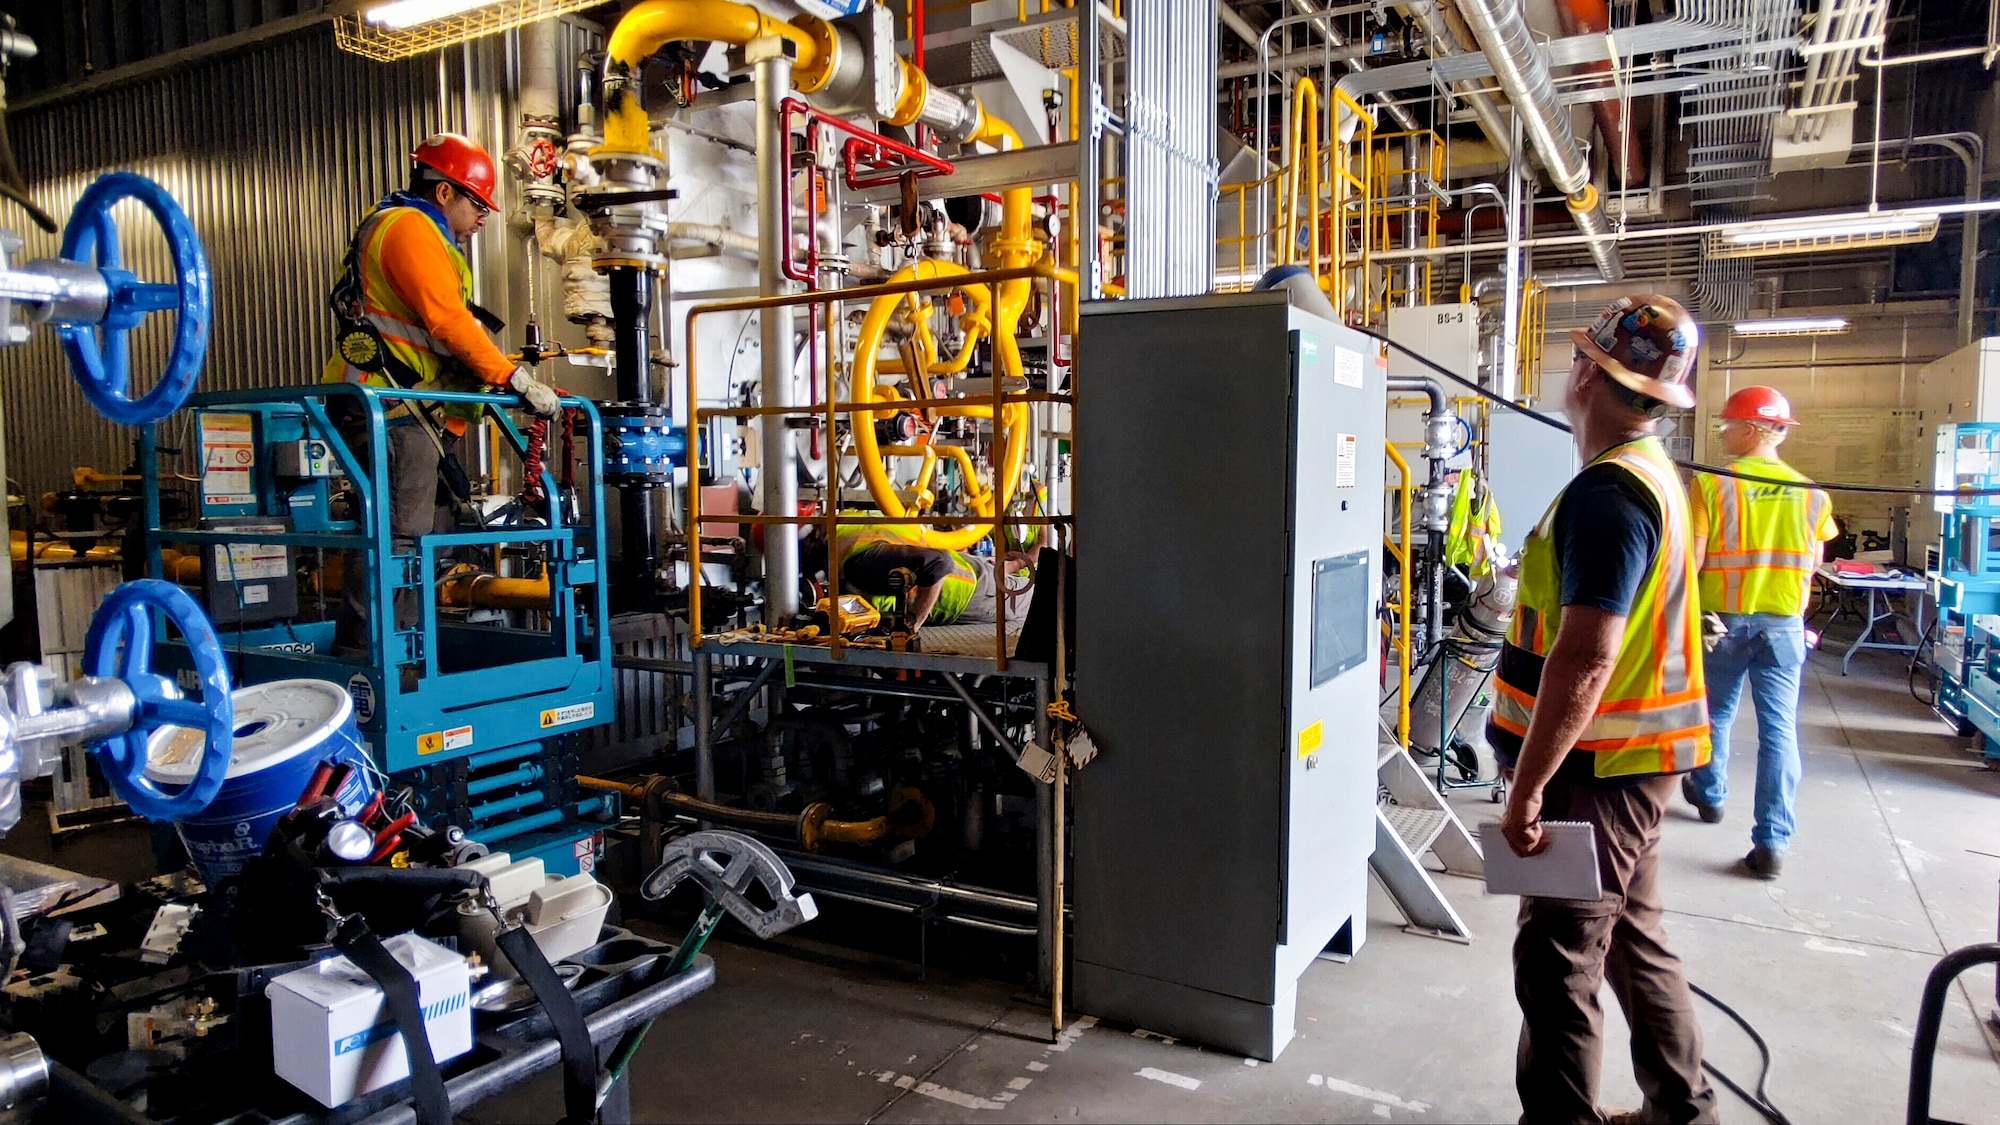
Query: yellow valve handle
<point x="1011" y="429"/>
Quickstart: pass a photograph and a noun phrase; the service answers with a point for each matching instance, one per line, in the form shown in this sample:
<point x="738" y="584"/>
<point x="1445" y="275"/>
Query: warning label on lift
<point x="564" y="716"/>
<point x="438" y="741"/>
<point x="228" y="457"/>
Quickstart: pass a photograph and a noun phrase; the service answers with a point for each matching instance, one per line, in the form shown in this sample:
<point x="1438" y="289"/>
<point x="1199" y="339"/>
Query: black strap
<point x="361" y="946"/>
<point x="579" y="1055"/>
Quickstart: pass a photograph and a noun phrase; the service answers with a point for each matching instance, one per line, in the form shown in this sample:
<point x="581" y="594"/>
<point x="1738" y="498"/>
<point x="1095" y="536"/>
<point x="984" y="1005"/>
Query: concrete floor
<point x="1897" y="861"/>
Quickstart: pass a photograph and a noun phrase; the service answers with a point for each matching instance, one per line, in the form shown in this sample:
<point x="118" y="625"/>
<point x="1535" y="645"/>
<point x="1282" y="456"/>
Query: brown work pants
<point x="1566" y="949"/>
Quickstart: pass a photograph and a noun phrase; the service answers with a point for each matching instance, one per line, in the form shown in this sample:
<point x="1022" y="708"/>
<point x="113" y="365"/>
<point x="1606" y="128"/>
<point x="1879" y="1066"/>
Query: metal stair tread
<point x="1418" y="828"/>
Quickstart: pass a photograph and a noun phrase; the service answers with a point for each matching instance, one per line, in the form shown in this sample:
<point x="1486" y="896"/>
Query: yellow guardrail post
<point x="1402" y="552"/>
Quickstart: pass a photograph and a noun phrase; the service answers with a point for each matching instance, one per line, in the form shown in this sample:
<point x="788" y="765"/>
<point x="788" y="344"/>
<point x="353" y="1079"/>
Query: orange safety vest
<point x="1763" y="539"/>
<point x="414" y="351"/>
<point x="1653" y="717"/>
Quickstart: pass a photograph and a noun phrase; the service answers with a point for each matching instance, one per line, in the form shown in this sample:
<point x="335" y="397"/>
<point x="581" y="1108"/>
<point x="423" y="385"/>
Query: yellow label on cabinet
<point x="432" y="743"/>
<point x="1310" y="738"/>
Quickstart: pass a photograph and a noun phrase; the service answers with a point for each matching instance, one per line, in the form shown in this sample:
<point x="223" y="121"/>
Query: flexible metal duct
<point x="1502" y="33"/>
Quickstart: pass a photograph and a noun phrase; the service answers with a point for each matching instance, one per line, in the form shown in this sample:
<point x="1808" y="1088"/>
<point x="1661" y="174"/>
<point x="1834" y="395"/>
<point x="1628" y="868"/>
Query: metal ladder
<point x="1414" y="821"/>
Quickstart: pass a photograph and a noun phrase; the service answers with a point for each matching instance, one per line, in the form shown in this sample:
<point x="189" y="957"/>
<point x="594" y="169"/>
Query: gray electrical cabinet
<point x="1229" y="539"/>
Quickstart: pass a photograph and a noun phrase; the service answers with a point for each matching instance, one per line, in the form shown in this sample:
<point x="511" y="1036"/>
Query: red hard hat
<point x="456" y="158"/>
<point x="1759" y="404"/>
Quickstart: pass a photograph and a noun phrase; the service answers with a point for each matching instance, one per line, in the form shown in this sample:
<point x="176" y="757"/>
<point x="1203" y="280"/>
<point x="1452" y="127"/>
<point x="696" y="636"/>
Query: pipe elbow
<point x="655" y="23"/>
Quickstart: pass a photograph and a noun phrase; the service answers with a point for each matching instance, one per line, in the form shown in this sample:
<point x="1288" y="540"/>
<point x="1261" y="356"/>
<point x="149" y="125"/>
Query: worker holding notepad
<point x="1600" y="703"/>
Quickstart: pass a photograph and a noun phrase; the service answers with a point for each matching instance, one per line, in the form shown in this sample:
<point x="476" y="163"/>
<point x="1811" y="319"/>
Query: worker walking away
<point x="404" y="317"/>
<point x="1757" y="545"/>
<point x="1600" y="702"/>
<point x="949" y="587"/>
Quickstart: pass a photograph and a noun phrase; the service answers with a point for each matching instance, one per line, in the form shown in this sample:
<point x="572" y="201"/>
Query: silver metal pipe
<point x="777" y="470"/>
<point x="1506" y="366"/>
<point x="704" y="734"/>
<point x="1970" y="148"/>
<point x="1294" y="60"/>
<point x="1566" y="278"/>
<point x="1518" y="65"/>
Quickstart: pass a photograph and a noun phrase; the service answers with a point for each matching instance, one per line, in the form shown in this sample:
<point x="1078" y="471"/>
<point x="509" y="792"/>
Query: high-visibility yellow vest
<point x="409" y="343"/>
<point x="1653" y="718"/>
<point x="1763" y="539"/>
<point x="955" y="593"/>
<point x="1474" y="526"/>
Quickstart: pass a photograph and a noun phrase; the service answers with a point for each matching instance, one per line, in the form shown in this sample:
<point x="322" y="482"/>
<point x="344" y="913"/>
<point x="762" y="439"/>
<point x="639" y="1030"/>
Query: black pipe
<point x="1930" y="1019"/>
<point x="634" y="590"/>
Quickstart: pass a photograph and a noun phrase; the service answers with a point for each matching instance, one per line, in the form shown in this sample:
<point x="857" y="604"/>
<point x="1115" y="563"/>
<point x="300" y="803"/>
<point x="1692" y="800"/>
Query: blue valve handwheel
<point x="120" y="644"/>
<point x="98" y="352"/>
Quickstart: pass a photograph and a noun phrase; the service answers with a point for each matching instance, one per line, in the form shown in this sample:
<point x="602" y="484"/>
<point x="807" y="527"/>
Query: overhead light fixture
<point x="1817" y="233"/>
<point x="397" y="29"/>
<point x="1793" y="326"/>
<point x="409" y="13"/>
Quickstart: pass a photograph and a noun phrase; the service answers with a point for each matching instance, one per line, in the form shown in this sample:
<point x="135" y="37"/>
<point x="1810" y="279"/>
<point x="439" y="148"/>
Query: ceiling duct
<point x="1523" y="74"/>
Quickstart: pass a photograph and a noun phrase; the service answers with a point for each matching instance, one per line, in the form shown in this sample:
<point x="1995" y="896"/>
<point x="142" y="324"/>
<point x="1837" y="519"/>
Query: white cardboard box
<point x="332" y="1035"/>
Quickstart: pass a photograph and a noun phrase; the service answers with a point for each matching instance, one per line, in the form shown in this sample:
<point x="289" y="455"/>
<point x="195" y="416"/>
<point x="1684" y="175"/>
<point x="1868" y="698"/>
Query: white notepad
<point x="1567" y="869"/>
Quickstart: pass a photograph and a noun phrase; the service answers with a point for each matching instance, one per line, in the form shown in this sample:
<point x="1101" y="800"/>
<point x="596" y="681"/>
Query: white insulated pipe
<point x="777" y="473"/>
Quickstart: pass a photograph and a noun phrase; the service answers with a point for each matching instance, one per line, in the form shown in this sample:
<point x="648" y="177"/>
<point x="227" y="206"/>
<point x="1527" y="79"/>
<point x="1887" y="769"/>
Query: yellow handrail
<point x="1400" y="637"/>
<point x="1534" y="316"/>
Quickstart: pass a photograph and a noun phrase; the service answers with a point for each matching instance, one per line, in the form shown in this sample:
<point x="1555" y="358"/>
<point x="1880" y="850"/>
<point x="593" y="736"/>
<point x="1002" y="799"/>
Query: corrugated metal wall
<point x="274" y="153"/>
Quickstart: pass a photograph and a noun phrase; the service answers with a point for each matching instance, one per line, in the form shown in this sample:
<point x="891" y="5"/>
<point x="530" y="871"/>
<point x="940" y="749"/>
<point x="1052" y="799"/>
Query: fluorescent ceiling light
<point x="1792" y="326"/>
<point x="410" y="13"/>
<point x="1852" y="226"/>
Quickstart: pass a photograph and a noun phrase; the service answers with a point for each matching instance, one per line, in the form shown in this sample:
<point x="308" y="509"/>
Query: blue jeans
<point x="1770" y="652"/>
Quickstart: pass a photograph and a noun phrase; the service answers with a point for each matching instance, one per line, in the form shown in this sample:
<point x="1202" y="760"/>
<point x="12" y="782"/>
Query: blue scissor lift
<point x="473" y="712"/>
<point x="1965" y="582"/>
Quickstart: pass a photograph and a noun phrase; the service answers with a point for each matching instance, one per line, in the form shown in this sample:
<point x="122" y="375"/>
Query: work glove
<point x="540" y="397"/>
<point x="1712" y="631"/>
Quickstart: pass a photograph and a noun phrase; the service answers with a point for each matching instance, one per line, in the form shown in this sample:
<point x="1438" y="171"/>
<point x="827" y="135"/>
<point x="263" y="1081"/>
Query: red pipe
<point x="1593" y="17"/>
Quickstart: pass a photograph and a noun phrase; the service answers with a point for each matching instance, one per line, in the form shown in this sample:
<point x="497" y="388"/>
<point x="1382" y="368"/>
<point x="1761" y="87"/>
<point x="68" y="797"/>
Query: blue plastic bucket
<point x="284" y="730"/>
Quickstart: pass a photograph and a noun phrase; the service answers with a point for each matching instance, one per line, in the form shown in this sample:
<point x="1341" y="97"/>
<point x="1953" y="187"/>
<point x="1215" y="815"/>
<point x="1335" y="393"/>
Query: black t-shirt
<point x="867" y="572"/>
<point x="1605" y="537"/>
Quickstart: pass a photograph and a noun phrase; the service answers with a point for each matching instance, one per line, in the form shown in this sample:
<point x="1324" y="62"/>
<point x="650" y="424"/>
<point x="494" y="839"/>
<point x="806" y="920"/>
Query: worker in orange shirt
<point x="404" y="317"/>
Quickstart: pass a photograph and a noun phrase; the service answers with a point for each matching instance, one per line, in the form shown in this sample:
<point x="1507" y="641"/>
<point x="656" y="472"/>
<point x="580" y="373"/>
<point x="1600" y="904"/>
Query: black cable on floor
<point x="1916" y="659"/>
<point x="1760" y="1101"/>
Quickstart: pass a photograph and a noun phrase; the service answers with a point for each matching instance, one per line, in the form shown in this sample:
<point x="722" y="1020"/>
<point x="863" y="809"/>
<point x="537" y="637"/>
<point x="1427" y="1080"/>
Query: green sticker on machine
<point x="1308" y="349"/>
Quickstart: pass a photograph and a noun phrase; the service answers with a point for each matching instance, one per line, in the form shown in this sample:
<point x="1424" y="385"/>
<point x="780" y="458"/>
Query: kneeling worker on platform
<point x="1757" y="545"/>
<point x="945" y="587"/>
<point x="1600" y="702"/>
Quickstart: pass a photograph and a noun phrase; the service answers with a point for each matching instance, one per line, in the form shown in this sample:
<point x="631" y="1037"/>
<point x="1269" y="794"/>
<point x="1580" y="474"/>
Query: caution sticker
<point x="564" y="716"/>
<point x="438" y="741"/>
<point x="1310" y="738"/>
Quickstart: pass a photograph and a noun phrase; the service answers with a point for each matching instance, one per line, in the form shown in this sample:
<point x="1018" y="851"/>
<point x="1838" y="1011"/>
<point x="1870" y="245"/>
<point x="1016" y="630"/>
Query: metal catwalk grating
<point x="967" y="640"/>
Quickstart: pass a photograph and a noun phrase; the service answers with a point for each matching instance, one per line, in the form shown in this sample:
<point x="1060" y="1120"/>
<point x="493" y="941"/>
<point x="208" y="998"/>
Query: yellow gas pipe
<point x="488" y="591"/>
<point x="627" y="129"/>
<point x="1015" y="247"/>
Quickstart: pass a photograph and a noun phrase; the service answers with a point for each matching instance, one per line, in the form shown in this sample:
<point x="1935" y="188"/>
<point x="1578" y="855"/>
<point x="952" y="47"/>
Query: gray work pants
<point x="413" y="511"/>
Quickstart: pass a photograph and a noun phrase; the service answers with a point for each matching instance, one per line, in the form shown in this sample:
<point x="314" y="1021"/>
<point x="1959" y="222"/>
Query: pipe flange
<point x="812" y="76"/>
<point x="641" y="446"/>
